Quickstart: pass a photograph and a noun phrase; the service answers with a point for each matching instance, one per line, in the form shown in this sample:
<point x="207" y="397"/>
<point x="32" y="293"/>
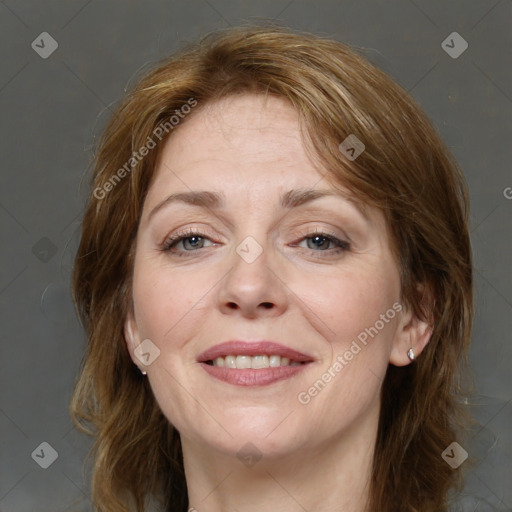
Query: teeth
<point x="259" y="362"/>
<point x="275" y="361"/>
<point x="243" y="362"/>
<point x="229" y="361"/>
<point x="256" y="362"/>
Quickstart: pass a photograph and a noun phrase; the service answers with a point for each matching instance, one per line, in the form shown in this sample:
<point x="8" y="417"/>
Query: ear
<point x="131" y="336"/>
<point x="412" y="332"/>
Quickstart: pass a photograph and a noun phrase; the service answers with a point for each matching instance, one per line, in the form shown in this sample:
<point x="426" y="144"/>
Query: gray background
<point x="53" y="108"/>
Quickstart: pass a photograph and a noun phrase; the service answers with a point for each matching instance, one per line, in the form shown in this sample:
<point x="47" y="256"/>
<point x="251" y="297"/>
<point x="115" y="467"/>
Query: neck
<point x="330" y="477"/>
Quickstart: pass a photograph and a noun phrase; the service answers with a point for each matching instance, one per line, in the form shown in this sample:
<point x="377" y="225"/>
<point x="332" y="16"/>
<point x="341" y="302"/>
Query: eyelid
<point x="184" y="233"/>
<point x="343" y="242"/>
<point x="324" y="230"/>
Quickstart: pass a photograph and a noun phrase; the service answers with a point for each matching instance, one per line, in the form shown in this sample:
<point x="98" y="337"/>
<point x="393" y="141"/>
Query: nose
<point x="252" y="288"/>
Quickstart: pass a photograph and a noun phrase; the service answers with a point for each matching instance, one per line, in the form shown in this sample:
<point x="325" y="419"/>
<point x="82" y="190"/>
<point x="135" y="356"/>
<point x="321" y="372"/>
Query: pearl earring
<point x="411" y="355"/>
<point x="142" y="371"/>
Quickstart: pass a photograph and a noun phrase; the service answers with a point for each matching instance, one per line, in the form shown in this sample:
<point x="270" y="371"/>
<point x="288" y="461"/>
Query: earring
<point x="142" y="371"/>
<point x="411" y="355"/>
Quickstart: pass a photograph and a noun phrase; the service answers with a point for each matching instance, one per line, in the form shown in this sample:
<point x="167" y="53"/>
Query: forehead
<point x="238" y="137"/>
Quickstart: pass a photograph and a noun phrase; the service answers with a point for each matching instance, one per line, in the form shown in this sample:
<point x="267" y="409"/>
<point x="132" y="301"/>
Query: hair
<point x="405" y="171"/>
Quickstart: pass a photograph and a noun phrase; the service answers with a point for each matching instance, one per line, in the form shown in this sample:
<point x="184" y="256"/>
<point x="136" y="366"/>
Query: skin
<point x="308" y="296"/>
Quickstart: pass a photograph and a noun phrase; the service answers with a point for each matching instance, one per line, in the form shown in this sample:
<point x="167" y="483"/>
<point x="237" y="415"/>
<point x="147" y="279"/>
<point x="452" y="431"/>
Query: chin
<point x="257" y="430"/>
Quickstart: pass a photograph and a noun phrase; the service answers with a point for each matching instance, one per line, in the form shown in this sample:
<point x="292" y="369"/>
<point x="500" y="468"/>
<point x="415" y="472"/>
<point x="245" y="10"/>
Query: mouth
<point x="253" y="364"/>
<point x="258" y="362"/>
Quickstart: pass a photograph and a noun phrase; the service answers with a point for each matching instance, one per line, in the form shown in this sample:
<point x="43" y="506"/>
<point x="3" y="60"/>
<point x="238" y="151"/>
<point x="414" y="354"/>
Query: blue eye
<point x="190" y="242"/>
<point x="194" y="242"/>
<point x="322" y="242"/>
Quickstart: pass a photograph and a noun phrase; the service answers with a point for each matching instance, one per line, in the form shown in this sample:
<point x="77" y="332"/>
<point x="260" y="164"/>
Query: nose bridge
<point x="250" y="285"/>
<point x="250" y="270"/>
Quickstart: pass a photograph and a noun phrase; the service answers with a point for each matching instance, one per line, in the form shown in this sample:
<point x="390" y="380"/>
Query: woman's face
<point x="271" y="253"/>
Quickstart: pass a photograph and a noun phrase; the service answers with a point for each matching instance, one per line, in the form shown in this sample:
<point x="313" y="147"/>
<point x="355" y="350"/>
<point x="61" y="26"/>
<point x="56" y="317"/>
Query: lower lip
<point x="248" y="377"/>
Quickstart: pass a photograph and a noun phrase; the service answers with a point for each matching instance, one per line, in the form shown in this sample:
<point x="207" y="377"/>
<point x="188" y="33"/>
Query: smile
<point x="256" y="363"/>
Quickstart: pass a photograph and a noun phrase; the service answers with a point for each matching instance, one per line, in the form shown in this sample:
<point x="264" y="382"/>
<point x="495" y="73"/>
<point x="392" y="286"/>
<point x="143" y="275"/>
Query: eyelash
<point x="171" y="242"/>
<point x="341" y="245"/>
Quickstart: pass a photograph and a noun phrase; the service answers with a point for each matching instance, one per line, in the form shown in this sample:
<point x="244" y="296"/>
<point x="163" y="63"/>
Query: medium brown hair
<point x="405" y="171"/>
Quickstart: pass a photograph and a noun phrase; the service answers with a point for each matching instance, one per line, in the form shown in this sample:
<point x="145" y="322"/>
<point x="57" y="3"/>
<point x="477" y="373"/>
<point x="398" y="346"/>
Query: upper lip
<point x="252" y="348"/>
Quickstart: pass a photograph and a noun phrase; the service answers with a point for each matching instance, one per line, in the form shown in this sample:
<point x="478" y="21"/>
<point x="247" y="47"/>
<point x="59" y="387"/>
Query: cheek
<point x="356" y="309"/>
<point x="165" y="300"/>
<point x="351" y="302"/>
<point x="347" y="383"/>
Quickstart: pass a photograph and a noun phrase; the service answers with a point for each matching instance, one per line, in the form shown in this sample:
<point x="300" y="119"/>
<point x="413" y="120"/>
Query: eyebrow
<point x="288" y="200"/>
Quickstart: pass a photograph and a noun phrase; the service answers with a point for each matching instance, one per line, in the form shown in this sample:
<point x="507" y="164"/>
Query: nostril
<point x="267" y="305"/>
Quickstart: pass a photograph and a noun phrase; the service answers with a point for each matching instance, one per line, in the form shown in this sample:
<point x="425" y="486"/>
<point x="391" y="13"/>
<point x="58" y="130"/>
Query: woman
<point x="275" y="277"/>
